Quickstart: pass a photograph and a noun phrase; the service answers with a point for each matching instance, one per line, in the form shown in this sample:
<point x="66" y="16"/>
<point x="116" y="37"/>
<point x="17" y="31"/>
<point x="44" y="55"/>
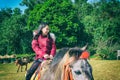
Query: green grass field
<point x="102" y="70"/>
<point x="9" y="72"/>
<point x="106" y="69"/>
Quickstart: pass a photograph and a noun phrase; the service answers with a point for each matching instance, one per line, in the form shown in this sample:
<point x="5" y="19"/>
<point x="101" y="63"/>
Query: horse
<point x="20" y="62"/>
<point x="66" y="65"/>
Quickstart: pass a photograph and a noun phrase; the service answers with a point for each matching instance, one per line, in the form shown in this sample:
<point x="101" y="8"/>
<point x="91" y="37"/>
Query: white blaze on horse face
<point x="77" y="71"/>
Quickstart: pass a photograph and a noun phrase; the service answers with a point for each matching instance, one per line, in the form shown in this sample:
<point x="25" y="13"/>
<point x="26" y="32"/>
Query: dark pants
<point x="32" y="69"/>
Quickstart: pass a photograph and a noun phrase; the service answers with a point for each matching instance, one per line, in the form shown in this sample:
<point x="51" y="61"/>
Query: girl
<point x="43" y="44"/>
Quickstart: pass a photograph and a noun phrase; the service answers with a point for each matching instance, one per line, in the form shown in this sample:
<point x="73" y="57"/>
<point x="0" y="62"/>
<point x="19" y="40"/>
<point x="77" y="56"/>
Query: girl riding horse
<point x="67" y="65"/>
<point x="43" y="44"/>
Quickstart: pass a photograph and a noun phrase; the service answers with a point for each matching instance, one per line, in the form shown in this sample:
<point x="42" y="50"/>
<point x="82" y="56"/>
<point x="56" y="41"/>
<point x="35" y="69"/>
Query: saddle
<point x="45" y="65"/>
<point x="41" y="69"/>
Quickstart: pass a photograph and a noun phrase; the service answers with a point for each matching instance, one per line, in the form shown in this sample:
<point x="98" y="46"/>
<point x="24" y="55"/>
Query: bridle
<point x="67" y="72"/>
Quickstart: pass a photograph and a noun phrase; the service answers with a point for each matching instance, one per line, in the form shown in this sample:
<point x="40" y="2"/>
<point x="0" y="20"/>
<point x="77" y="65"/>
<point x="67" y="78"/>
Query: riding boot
<point x="33" y="68"/>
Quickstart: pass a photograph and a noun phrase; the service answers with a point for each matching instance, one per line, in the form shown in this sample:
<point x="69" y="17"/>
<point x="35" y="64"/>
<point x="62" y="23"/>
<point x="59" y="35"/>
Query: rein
<point x="67" y="73"/>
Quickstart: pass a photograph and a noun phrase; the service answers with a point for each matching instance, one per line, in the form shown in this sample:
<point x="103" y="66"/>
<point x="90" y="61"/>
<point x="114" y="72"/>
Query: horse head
<point x="71" y="66"/>
<point x="77" y="68"/>
<point x="81" y="70"/>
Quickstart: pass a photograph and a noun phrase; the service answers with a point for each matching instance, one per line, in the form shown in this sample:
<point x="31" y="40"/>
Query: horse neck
<point x="60" y="67"/>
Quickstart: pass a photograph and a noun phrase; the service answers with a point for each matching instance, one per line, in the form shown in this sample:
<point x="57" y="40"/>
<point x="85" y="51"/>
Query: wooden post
<point x="118" y="54"/>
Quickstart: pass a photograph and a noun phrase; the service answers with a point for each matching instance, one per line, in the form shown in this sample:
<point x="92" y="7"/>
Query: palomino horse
<point x="66" y="65"/>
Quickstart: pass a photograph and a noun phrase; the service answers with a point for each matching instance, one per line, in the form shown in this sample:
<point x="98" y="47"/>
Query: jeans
<point x="33" y="68"/>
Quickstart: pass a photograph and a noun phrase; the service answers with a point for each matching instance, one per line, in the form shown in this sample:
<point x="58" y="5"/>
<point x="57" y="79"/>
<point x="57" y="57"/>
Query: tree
<point x="61" y="16"/>
<point x="17" y="11"/>
<point x="84" y="9"/>
<point x="103" y="25"/>
<point x="12" y="30"/>
<point x="5" y="13"/>
<point x="30" y="4"/>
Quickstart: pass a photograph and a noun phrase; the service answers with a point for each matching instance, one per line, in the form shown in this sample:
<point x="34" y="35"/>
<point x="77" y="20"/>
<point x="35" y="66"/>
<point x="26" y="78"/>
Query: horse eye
<point x="77" y="72"/>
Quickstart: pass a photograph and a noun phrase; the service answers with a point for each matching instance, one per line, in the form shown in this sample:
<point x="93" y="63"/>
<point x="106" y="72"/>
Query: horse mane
<point x="59" y="68"/>
<point x="59" y="55"/>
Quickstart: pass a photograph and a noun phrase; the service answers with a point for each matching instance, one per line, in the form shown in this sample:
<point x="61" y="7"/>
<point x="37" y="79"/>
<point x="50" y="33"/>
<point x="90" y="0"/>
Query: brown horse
<point x="66" y="65"/>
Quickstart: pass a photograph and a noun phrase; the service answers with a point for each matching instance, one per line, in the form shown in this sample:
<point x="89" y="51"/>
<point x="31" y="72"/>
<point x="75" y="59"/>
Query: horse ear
<point x="84" y="48"/>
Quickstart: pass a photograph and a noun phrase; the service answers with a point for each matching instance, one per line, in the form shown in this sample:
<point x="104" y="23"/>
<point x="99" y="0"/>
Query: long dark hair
<point x="41" y="26"/>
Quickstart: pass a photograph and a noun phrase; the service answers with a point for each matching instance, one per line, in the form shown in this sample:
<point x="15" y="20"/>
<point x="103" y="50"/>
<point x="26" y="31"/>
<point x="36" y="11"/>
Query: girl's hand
<point x="51" y="57"/>
<point x="46" y="56"/>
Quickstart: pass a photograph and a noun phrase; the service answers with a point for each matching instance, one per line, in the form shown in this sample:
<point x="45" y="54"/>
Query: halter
<point x="67" y="73"/>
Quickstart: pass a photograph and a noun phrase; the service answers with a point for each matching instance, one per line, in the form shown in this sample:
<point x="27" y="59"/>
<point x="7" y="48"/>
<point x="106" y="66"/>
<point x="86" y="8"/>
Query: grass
<point x="102" y="70"/>
<point x="106" y="69"/>
<point x="9" y="72"/>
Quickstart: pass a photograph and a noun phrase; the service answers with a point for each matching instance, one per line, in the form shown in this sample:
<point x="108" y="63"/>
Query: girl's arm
<point x="36" y="48"/>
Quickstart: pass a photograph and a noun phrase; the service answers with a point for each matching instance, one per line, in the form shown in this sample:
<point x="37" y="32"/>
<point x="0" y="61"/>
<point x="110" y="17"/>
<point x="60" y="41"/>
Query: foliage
<point x="74" y="24"/>
<point x="103" y="25"/>
<point x="13" y="33"/>
<point x="61" y="16"/>
<point x="107" y="50"/>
